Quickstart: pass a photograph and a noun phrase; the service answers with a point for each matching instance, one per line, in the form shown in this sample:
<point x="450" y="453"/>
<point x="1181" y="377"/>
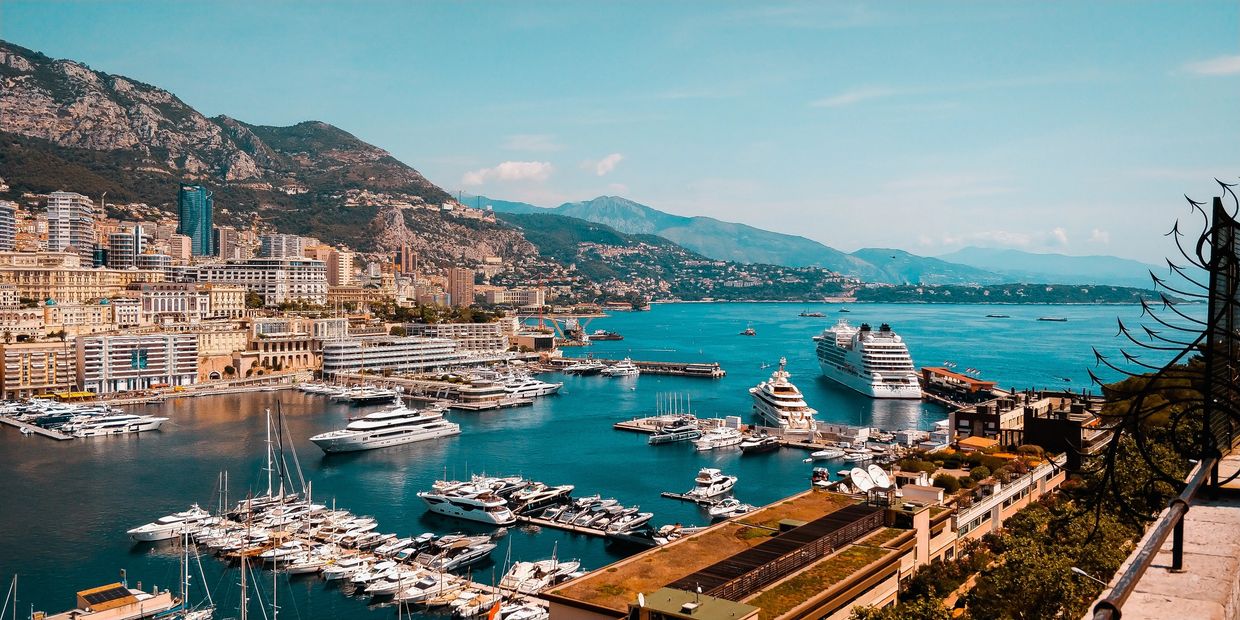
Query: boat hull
<point x="363" y="441"/>
<point x="869" y="388"/>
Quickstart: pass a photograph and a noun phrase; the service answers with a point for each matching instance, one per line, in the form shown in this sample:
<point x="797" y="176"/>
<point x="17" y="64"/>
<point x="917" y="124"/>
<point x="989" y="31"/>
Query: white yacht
<point x="525" y="386"/>
<point x="118" y="424"/>
<point x="622" y="368"/>
<point x="169" y="527"/>
<point x="779" y="403"/>
<point x="718" y="437"/>
<point x="391" y="427"/>
<point x="469" y="501"/>
<point x="876" y="364"/>
<point x="711" y="482"/>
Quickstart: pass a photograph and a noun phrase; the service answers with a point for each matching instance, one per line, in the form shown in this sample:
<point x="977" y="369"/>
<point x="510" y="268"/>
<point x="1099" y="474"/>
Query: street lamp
<point x="1089" y="576"/>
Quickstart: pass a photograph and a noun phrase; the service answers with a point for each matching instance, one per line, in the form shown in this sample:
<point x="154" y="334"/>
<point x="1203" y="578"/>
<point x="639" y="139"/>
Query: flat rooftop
<point x="617" y="585"/>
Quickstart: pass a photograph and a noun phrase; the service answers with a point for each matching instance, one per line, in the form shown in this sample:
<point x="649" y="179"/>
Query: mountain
<point x="900" y="267"/>
<point x="1019" y="266"/>
<point x="69" y="127"/>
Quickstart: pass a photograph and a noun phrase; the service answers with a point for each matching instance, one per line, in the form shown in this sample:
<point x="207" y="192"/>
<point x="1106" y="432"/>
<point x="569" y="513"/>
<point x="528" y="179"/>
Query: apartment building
<point x="123" y="363"/>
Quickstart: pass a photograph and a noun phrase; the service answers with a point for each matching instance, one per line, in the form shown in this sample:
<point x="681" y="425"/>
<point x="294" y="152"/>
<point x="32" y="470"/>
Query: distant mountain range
<point x="746" y="244"/>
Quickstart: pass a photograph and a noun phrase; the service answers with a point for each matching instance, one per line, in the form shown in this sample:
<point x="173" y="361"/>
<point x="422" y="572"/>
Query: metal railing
<point x="1170" y="523"/>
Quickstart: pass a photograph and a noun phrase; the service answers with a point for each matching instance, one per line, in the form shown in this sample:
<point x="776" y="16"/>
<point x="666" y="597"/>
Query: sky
<point x="1071" y="127"/>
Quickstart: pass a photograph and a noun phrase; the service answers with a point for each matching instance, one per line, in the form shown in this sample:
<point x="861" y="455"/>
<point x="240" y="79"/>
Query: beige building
<point x="34" y="368"/>
<point x="58" y="276"/>
<point x="461" y="286"/>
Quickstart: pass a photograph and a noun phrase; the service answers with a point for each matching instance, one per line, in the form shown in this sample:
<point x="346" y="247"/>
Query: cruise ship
<point x="779" y="403"/>
<point x="875" y="363"/>
<point x="391" y="427"/>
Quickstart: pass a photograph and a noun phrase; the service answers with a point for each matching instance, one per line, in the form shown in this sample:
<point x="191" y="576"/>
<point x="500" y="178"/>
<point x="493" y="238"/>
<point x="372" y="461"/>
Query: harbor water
<point x="65" y="506"/>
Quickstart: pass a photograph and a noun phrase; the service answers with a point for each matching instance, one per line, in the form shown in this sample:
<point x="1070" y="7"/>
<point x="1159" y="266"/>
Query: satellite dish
<point x="879" y="477"/>
<point x="861" y="480"/>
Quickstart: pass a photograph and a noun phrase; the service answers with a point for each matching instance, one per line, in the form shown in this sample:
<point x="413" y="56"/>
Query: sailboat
<point x="185" y="611"/>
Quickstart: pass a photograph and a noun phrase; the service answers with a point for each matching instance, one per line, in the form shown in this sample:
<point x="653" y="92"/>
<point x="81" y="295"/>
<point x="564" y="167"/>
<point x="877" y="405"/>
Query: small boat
<point x="27" y="431"/>
<point x="728" y="508"/>
<point x="845" y="310"/>
<point x="998" y="316"/>
<point x="1053" y="319"/>
<point x="749" y="331"/>
<point x="759" y="444"/>
<point x="816" y="315"/>
<point x="600" y="334"/>
<point x="824" y="455"/>
<point x="710" y="483"/>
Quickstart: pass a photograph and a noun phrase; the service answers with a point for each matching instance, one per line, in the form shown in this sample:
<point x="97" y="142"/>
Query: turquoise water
<point x="64" y="506"/>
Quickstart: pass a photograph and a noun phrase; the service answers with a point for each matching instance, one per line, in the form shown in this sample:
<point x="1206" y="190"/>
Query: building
<point x="124" y="247"/>
<point x="278" y="245"/>
<point x="389" y="354"/>
<point x="995" y="501"/>
<point x="36" y="368"/>
<point x="175" y="302"/>
<point x="339" y="263"/>
<point x="71" y="224"/>
<point x="406" y="260"/>
<point x="59" y="276"/>
<point x="181" y="248"/>
<point x="276" y="280"/>
<point x="461" y="286"/>
<point x="518" y="297"/>
<point x="228" y="243"/>
<point x="1057" y="421"/>
<point x="955" y="387"/>
<point x="196" y="218"/>
<point x="472" y="338"/>
<point x="109" y="364"/>
<point x="8" y="226"/>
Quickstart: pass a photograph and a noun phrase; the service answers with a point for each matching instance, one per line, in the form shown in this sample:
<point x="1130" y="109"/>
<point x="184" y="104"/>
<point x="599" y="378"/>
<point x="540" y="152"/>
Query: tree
<point x="947" y="482"/>
<point x="916" y="609"/>
<point x="230" y="371"/>
<point x="1032" y="582"/>
<point x="253" y="300"/>
<point x="398" y="330"/>
<point x="981" y="472"/>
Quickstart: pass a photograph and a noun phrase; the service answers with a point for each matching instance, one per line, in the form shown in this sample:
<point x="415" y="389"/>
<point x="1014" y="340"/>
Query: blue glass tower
<point x="196" y="219"/>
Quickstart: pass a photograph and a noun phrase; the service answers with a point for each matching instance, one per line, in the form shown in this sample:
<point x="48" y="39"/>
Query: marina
<point x="206" y="435"/>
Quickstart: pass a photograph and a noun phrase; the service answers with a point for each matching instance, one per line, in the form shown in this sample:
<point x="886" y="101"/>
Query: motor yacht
<point x="623" y="368"/>
<point x="718" y="437"/>
<point x="382" y="429"/>
<point x="711" y="483"/>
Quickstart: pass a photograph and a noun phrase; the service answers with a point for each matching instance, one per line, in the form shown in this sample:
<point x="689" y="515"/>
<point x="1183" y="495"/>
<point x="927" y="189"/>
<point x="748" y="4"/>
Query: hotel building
<point x="107" y="364"/>
<point x="389" y="354"/>
<point x="277" y="280"/>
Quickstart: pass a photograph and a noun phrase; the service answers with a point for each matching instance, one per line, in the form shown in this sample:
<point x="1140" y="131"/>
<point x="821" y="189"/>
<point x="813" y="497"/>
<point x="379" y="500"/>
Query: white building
<point x="280" y="246"/>
<point x="518" y="297"/>
<point x="389" y="353"/>
<point x="8" y="226"/>
<point x="188" y="303"/>
<point x="107" y="364"/>
<point x="277" y="280"/>
<point x="71" y="224"/>
<point x="485" y="338"/>
<point x="125" y="247"/>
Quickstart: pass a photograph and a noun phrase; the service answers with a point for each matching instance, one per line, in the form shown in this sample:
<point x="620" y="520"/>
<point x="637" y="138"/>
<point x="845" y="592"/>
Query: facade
<point x="53" y="279"/>
<point x="124" y="247"/>
<point x="481" y="338"/>
<point x="8" y="226"/>
<point x="36" y="368"/>
<point x="999" y="501"/>
<point x="196" y="220"/>
<point x="109" y="364"/>
<point x="461" y="286"/>
<point x="228" y="243"/>
<point x="278" y="245"/>
<point x="388" y="354"/>
<point x="71" y="224"/>
<point x="406" y="260"/>
<point x="189" y="303"/>
<point x="277" y="280"/>
<point x="519" y="297"/>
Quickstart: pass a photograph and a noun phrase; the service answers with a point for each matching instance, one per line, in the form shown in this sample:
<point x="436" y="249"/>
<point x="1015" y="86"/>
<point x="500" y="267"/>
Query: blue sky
<point x="1073" y="127"/>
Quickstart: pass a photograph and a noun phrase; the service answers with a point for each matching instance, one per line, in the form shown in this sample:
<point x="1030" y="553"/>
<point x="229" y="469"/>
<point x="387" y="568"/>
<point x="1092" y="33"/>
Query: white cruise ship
<point x="875" y="363"/>
<point x="472" y="501"/>
<point x="779" y="403"/>
<point x="391" y="427"/>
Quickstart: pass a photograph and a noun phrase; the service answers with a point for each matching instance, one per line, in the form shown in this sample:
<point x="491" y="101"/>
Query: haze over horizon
<point x="1071" y="128"/>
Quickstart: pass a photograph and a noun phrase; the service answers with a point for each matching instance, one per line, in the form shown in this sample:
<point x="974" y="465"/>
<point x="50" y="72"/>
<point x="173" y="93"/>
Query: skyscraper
<point x="71" y="224"/>
<point x="8" y="226"/>
<point x="461" y="286"/>
<point x="196" y="219"/>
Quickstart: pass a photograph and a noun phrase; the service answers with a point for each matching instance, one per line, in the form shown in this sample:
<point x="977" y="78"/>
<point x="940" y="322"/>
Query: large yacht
<point x="391" y="427"/>
<point x="118" y="424"/>
<point x="718" y="437"/>
<point x="875" y="363"/>
<point x="472" y="501"/>
<point x="711" y="482"/>
<point x="622" y="368"/>
<point x="525" y="386"/>
<point x="779" y="403"/>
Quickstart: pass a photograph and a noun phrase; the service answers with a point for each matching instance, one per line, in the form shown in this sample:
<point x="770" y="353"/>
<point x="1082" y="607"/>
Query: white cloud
<point x="604" y="165"/>
<point x="1221" y="65"/>
<point x="536" y="171"/>
<point x="1099" y="236"/>
<point x="1032" y="240"/>
<point x="1059" y="235"/>
<point x="532" y="142"/>
<point x="850" y="97"/>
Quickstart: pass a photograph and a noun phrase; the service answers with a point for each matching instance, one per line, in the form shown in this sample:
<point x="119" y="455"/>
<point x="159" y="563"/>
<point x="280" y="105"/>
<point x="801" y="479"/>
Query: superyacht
<point x="876" y="364"/>
<point x="391" y="427"/>
<point x="779" y="403"/>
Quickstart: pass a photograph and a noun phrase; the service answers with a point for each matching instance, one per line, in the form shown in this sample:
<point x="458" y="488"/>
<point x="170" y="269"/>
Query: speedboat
<point x="623" y="368"/>
<point x="629" y="522"/>
<point x="759" y="444"/>
<point x="728" y="508"/>
<point x="344" y="567"/>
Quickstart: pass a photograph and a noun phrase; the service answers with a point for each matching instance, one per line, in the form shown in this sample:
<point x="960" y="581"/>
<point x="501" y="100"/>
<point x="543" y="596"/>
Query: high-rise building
<point x="71" y="224"/>
<point x="8" y="226"/>
<point x="277" y="245"/>
<point x="406" y="260"/>
<point x="197" y="219"/>
<point x="125" y="246"/>
<point x="461" y="286"/>
<point x="228" y="243"/>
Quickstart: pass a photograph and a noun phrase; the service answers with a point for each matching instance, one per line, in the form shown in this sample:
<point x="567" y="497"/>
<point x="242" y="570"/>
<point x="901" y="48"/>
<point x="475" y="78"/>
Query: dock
<point x="37" y="430"/>
<point x="685" y="497"/>
<point x="567" y="527"/>
<point x="707" y="370"/>
<point x="486" y="405"/>
<point x="652" y="424"/>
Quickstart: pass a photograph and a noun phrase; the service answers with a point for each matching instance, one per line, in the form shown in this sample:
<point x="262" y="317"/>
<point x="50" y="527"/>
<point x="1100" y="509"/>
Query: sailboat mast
<point x="269" y="454"/>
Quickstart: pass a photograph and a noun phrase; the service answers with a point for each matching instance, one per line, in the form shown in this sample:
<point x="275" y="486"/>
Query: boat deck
<point x="685" y="497"/>
<point x="38" y="430"/>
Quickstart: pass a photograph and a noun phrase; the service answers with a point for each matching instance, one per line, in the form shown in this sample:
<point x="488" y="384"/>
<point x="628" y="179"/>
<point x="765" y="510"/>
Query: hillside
<point x="900" y="267"/>
<point x="1009" y="294"/>
<point x="67" y="126"/>
<point x="1019" y="266"/>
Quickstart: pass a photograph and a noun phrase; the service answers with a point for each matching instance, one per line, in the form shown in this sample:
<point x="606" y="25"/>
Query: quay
<point x="652" y="424"/>
<point x="707" y="370"/>
<point x="685" y="497"/>
<point x="567" y="527"/>
<point x="38" y="430"/>
<point x="486" y="405"/>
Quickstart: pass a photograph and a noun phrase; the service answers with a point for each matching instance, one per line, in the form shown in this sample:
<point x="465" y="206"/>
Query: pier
<point x="37" y="430"/>
<point x="652" y="424"/>
<point x="707" y="370"/>
<point x="567" y="527"/>
<point x="486" y="405"/>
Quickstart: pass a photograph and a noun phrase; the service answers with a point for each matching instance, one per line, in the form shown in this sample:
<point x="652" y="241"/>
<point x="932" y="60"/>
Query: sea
<point x="65" y="506"/>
